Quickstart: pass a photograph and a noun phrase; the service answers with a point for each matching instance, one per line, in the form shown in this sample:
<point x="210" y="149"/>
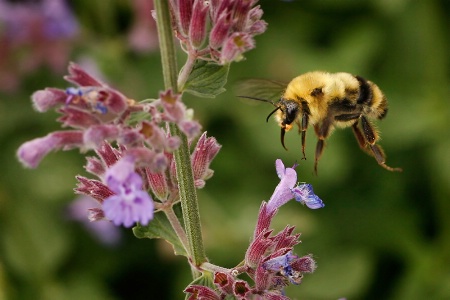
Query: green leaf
<point x="160" y="228"/>
<point x="207" y="79"/>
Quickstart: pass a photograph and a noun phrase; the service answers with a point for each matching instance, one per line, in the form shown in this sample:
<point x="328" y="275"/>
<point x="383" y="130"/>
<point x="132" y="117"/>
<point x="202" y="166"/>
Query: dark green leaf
<point x="207" y="79"/>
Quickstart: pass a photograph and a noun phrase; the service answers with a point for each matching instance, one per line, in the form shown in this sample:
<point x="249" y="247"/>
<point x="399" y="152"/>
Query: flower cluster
<point x="228" y="26"/>
<point x="101" y="116"/>
<point x="269" y="260"/>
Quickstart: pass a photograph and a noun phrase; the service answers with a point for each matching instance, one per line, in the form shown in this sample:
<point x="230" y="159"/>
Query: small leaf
<point x="207" y="79"/>
<point x="160" y="228"/>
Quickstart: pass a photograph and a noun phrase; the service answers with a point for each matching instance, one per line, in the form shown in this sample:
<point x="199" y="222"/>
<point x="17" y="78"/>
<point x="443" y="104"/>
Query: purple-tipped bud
<point x="32" y="152"/>
<point x="242" y="9"/>
<point x="92" y="188"/>
<point x="44" y="100"/>
<point x="94" y="136"/>
<point x="197" y="28"/>
<point x="108" y="154"/>
<point x="158" y="184"/>
<point x="235" y="46"/>
<point x="258" y="248"/>
<point x="185" y="14"/>
<point x="220" y="31"/>
<point x="95" y="214"/>
<point x="205" y="151"/>
<point x="80" y="77"/>
<point x="94" y="166"/>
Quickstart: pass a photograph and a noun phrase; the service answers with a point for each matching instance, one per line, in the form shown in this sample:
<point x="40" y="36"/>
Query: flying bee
<point x="325" y="101"/>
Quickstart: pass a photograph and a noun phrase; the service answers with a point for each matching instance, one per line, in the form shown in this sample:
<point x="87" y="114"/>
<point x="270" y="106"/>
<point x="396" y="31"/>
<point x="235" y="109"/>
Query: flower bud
<point x="197" y="27"/>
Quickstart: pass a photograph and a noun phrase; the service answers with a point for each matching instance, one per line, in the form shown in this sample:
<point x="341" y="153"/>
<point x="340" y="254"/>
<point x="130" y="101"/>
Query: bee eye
<point x="291" y="111"/>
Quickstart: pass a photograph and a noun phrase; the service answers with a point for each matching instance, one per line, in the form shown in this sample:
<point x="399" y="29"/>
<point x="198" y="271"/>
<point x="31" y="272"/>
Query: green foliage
<point x="383" y="235"/>
<point x="160" y="228"/>
<point x="207" y="79"/>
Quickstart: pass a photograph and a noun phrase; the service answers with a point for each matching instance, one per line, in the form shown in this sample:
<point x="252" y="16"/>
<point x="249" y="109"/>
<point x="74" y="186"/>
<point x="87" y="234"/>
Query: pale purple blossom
<point x="287" y="190"/>
<point x="130" y="204"/>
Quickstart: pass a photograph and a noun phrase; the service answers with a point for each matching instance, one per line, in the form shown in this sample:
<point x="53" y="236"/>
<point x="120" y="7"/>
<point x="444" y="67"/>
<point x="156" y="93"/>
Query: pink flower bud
<point x="158" y="184"/>
<point x="197" y="28"/>
<point x="93" y="188"/>
<point x="185" y="14"/>
<point x="203" y="154"/>
<point x="241" y="11"/>
<point x="43" y="100"/>
<point x="94" y="166"/>
<point x="80" y="77"/>
<point x="220" y="30"/>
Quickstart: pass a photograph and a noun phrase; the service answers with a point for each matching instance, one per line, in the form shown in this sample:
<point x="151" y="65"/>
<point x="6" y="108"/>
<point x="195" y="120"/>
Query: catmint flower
<point x="31" y="153"/>
<point x="204" y="152"/>
<point x="304" y="194"/>
<point x="142" y="36"/>
<point x="235" y="46"/>
<point x="284" y="264"/>
<point x="130" y="203"/>
<point x="286" y="190"/>
<point x="233" y="24"/>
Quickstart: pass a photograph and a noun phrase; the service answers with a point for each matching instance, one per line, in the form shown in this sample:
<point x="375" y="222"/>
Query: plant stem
<point x="188" y="193"/>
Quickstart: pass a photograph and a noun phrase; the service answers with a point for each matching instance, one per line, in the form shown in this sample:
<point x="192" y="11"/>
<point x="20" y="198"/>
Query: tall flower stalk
<point x="186" y="186"/>
<point x="146" y="161"/>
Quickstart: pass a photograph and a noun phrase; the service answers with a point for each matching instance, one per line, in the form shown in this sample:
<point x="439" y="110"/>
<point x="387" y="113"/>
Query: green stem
<point x="176" y="225"/>
<point x="188" y="193"/>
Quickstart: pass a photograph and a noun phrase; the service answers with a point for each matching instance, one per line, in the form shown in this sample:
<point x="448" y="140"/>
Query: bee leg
<point x="360" y="138"/>
<point x="370" y="136"/>
<point x="303" y="128"/>
<point x="319" y="151"/>
<point x="322" y="133"/>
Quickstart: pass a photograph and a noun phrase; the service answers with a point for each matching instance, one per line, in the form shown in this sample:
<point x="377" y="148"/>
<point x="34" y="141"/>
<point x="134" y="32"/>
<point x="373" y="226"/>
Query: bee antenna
<point x="273" y="111"/>
<point x="258" y="99"/>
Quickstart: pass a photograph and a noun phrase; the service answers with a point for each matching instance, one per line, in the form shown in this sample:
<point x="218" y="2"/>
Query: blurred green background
<point x="381" y="235"/>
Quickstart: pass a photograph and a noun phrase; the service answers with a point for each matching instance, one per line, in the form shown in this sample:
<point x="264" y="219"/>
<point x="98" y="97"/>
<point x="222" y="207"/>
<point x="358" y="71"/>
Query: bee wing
<point x="260" y="88"/>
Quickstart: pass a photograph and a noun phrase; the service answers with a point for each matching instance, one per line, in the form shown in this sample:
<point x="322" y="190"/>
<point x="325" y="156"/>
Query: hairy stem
<point x="188" y="193"/>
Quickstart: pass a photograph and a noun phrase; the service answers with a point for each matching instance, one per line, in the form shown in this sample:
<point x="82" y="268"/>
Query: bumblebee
<point x="326" y="101"/>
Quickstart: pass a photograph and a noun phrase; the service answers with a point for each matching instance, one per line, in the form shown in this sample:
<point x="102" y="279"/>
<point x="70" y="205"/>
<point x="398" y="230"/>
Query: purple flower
<point x="32" y="152"/>
<point x="130" y="203"/>
<point x="291" y="266"/>
<point x="282" y="193"/>
<point x="304" y="194"/>
<point x="286" y="190"/>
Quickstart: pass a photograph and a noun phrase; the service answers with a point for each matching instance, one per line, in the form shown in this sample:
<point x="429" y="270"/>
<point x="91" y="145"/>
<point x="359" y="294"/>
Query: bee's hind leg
<point x="367" y="142"/>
